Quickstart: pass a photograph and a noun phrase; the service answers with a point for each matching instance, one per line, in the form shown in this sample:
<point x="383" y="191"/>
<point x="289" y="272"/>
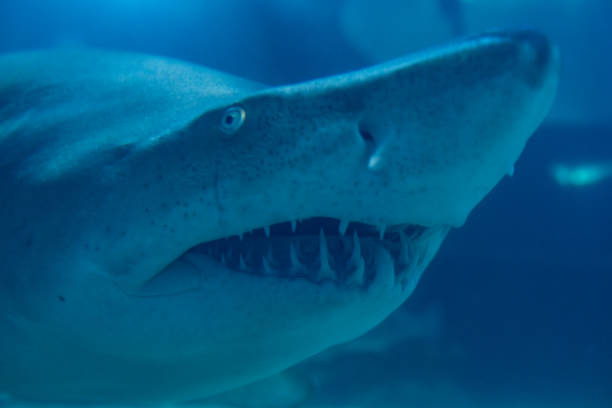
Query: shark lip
<point x="322" y="249"/>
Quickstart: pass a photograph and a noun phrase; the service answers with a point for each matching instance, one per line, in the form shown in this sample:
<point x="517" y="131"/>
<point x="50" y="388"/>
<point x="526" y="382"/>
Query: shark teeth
<point x="319" y="250"/>
<point x="357" y="261"/>
<point x="325" y="271"/>
<point x="403" y="257"/>
<point x="356" y="254"/>
<point x="342" y="227"/>
<point x="296" y="265"/>
<point x="381" y="230"/>
<point x="267" y="269"/>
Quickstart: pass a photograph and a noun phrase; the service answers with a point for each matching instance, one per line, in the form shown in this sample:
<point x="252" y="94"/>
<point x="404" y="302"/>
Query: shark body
<point x="171" y="232"/>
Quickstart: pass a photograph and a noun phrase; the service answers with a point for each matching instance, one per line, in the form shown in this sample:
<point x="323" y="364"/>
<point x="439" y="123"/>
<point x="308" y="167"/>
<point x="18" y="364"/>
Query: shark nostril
<point x="366" y="136"/>
<point x="372" y="149"/>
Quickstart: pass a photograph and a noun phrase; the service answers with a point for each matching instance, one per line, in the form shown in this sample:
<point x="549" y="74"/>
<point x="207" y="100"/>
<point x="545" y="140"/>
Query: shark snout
<point x="416" y="140"/>
<point x="447" y="125"/>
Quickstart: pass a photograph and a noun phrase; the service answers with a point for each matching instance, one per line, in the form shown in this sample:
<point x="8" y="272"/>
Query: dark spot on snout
<point x="369" y="141"/>
<point x="61" y="298"/>
<point x="366" y="135"/>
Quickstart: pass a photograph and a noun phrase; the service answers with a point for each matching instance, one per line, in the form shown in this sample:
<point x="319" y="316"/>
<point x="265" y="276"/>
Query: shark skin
<point x="171" y="232"/>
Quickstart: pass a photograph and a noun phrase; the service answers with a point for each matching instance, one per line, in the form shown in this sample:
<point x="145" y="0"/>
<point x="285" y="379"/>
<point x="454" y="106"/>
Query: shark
<point x="170" y="232"/>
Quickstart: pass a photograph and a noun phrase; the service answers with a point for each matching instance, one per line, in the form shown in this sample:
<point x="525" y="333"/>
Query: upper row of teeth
<point x="342" y="227"/>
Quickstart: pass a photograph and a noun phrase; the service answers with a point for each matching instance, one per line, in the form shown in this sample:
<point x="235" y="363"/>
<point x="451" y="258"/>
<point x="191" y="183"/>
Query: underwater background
<point x="516" y="309"/>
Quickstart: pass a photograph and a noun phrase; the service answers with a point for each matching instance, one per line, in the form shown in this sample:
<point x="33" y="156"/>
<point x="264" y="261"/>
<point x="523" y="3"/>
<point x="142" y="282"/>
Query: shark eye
<point x="231" y="120"/>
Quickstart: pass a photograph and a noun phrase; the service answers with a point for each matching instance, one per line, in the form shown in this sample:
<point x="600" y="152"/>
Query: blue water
<point x="523" y="291"/>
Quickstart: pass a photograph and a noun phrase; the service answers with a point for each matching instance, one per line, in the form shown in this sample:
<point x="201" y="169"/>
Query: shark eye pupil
<point x="232" y="119"/>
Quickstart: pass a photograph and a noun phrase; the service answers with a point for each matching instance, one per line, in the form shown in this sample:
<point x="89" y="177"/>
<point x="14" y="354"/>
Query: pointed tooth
<point x="241" y="236"/>
<point x="295" y="261"/>
<point x="323" y="248"/>
<point x="326" y="272"/>
<point x="342" y="227"/>
<point x="403" y="248"/>
<point x="357" y="261"/>
<point x="270" y="256"/>
<point x="293" y="225"/>
<point x="266" y="266"/>
<point x="356" y="254"/>
<point x="267" y="231"/>
<point x="358" y="275"/>
<point x="243" y="266"/>
<point x="223" y="259"/>
<point x="381" y="230"/>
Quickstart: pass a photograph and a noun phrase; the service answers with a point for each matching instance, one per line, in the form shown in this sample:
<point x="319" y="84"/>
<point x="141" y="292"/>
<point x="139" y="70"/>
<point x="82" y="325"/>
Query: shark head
<point x="234" y="230"/>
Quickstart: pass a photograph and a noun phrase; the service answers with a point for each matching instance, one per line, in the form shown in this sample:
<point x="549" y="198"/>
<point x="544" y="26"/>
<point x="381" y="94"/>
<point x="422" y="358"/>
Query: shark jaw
<point x="323" y="250"/>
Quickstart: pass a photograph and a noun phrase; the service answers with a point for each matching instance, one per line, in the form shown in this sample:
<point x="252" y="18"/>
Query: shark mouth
<point x="324" y="249"/>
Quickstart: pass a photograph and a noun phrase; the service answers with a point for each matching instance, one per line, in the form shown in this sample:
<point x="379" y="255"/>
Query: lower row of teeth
<point x="354" y="271"/>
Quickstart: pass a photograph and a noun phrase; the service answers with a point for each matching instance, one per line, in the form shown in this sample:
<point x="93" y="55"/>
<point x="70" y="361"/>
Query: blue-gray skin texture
<point x="112" y="166"/>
